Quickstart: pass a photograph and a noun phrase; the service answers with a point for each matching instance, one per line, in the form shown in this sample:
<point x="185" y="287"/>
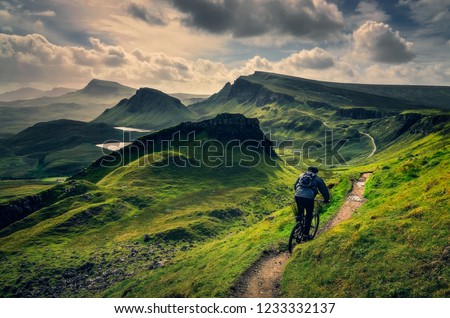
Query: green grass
<point x="13" y="189"/>
<point x="396" y="245"/>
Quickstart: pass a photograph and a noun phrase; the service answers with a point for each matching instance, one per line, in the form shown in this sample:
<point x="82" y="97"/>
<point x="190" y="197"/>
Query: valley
<point x="198" y="195"/>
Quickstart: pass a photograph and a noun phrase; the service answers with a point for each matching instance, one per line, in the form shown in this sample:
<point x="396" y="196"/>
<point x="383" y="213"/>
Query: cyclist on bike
<point x="306" y="188"/>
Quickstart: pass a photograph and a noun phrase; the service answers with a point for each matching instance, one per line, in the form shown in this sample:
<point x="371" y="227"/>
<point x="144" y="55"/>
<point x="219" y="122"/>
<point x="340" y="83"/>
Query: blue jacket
<point x="311" y="192"/>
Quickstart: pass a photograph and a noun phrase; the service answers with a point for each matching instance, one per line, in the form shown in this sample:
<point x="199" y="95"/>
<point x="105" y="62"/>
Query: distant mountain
<point x="60" y="134"/>
<point x="189" y="99"/>
<point x="32" y="93"/>
<point x="263" y="88"/>
<point x="85" y="104"/>
<point x="98" y="88"/>
<point x="149" y="109"/>
<point x="58" y="147"/>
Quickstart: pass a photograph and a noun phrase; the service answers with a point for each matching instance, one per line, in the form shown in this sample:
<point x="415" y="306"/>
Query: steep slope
<point x="396" y="244"/>
<point x="148" y="109"/>
<point x="85" y="104"/>
<point x="146" y="213"/>
<point x="59" y="147"/>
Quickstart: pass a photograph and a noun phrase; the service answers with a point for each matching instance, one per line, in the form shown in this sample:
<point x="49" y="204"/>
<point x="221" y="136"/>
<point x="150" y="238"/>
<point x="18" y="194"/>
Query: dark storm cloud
<point x="141" y="13"/>
<point x="313" y="19"/>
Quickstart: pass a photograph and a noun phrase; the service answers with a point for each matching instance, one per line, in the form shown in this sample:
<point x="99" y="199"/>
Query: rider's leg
<point x="309" y="206"/>
<point x="300" y="207"/>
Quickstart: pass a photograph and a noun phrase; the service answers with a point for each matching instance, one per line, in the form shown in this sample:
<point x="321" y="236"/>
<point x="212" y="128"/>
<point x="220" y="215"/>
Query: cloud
<point x="310" y="19"/>
<point x="368" y="10"/>
<point x="316" y="58"/>
<point x="46" y="13"/>
<point x="33" y="60"/>
<point x="408" y="74"/>
<point x="376" y="41"/>
<point x="142" y="13"/>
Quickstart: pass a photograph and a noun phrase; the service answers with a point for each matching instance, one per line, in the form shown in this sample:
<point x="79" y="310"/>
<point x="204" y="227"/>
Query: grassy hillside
<point x="14" y="189"/>
<point x="396" y="245"/>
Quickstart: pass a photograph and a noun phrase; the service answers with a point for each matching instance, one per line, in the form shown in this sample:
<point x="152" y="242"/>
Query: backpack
<point x="306" y="180"/>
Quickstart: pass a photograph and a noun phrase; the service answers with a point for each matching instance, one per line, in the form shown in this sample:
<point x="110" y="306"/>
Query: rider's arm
<point x="296" y="183"/>
<point x="323" y="190"/>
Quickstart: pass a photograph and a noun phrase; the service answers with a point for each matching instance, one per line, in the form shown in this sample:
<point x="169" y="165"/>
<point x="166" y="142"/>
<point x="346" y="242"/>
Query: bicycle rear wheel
<point x="295" y="237"/>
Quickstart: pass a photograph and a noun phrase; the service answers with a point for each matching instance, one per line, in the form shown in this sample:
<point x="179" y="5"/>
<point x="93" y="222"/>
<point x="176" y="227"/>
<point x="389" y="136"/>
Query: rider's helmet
<point x="314" y="170"/>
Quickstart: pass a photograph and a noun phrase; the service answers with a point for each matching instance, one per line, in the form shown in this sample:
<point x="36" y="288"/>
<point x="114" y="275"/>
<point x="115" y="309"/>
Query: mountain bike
<point x="297" y="235"/>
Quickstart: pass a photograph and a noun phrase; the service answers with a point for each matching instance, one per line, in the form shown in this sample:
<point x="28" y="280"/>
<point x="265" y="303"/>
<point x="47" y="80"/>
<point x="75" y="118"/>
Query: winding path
<point x="263" y="279"/>
<point x="374" y="145"/>
<point x="372" y="140"/>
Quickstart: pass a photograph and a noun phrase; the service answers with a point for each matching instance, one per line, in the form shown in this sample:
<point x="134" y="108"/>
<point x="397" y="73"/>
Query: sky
<point x="196" y="46"/>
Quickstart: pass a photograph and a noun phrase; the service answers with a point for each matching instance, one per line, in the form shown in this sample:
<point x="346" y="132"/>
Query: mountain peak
<point x="149" y="99"/>
<point x="148" y="108"/>
<point x="101" y="87"/>
<point x="151" y="93"/>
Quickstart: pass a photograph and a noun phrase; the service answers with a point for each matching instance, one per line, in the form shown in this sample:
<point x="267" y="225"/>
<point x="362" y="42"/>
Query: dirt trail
<point x="262" y="280"/>
<point x="374" y="145"/>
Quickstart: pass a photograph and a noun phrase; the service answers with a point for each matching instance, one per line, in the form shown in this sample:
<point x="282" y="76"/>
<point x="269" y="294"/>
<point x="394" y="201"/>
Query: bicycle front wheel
<point x="295" y="237"/>
<point x="314" y="225"/>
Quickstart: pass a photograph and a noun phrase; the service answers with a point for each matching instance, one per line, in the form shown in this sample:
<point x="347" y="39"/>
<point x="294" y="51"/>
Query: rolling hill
<point x="55" y="148"/>
<point x="147" y="109"/>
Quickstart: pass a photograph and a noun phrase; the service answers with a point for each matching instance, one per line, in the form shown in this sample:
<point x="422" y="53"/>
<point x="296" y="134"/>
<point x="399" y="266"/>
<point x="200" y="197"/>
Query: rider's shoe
<point x="306" y="238"/>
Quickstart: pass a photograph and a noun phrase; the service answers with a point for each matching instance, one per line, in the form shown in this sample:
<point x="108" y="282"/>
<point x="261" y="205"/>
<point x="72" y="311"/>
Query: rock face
<point x="245" y="91"/>
<point x="430" y="124"/>
<point x="359" y="113"/>
<point x="224" y="127"/>
<point x="19" y="209"/>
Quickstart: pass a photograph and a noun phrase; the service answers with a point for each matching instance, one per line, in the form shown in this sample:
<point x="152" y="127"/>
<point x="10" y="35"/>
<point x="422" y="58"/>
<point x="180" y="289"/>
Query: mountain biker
<point x="306" y="187"/>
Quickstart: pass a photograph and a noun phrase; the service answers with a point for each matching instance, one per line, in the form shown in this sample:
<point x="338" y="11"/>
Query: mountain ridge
<point x="26" y="93"/>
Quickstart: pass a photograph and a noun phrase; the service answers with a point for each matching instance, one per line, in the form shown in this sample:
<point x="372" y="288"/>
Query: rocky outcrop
<point x="19" y="209"/>
<point x="245" y="91"/>
<point x="430" y="124"/>
<point x="320" y="105"/>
